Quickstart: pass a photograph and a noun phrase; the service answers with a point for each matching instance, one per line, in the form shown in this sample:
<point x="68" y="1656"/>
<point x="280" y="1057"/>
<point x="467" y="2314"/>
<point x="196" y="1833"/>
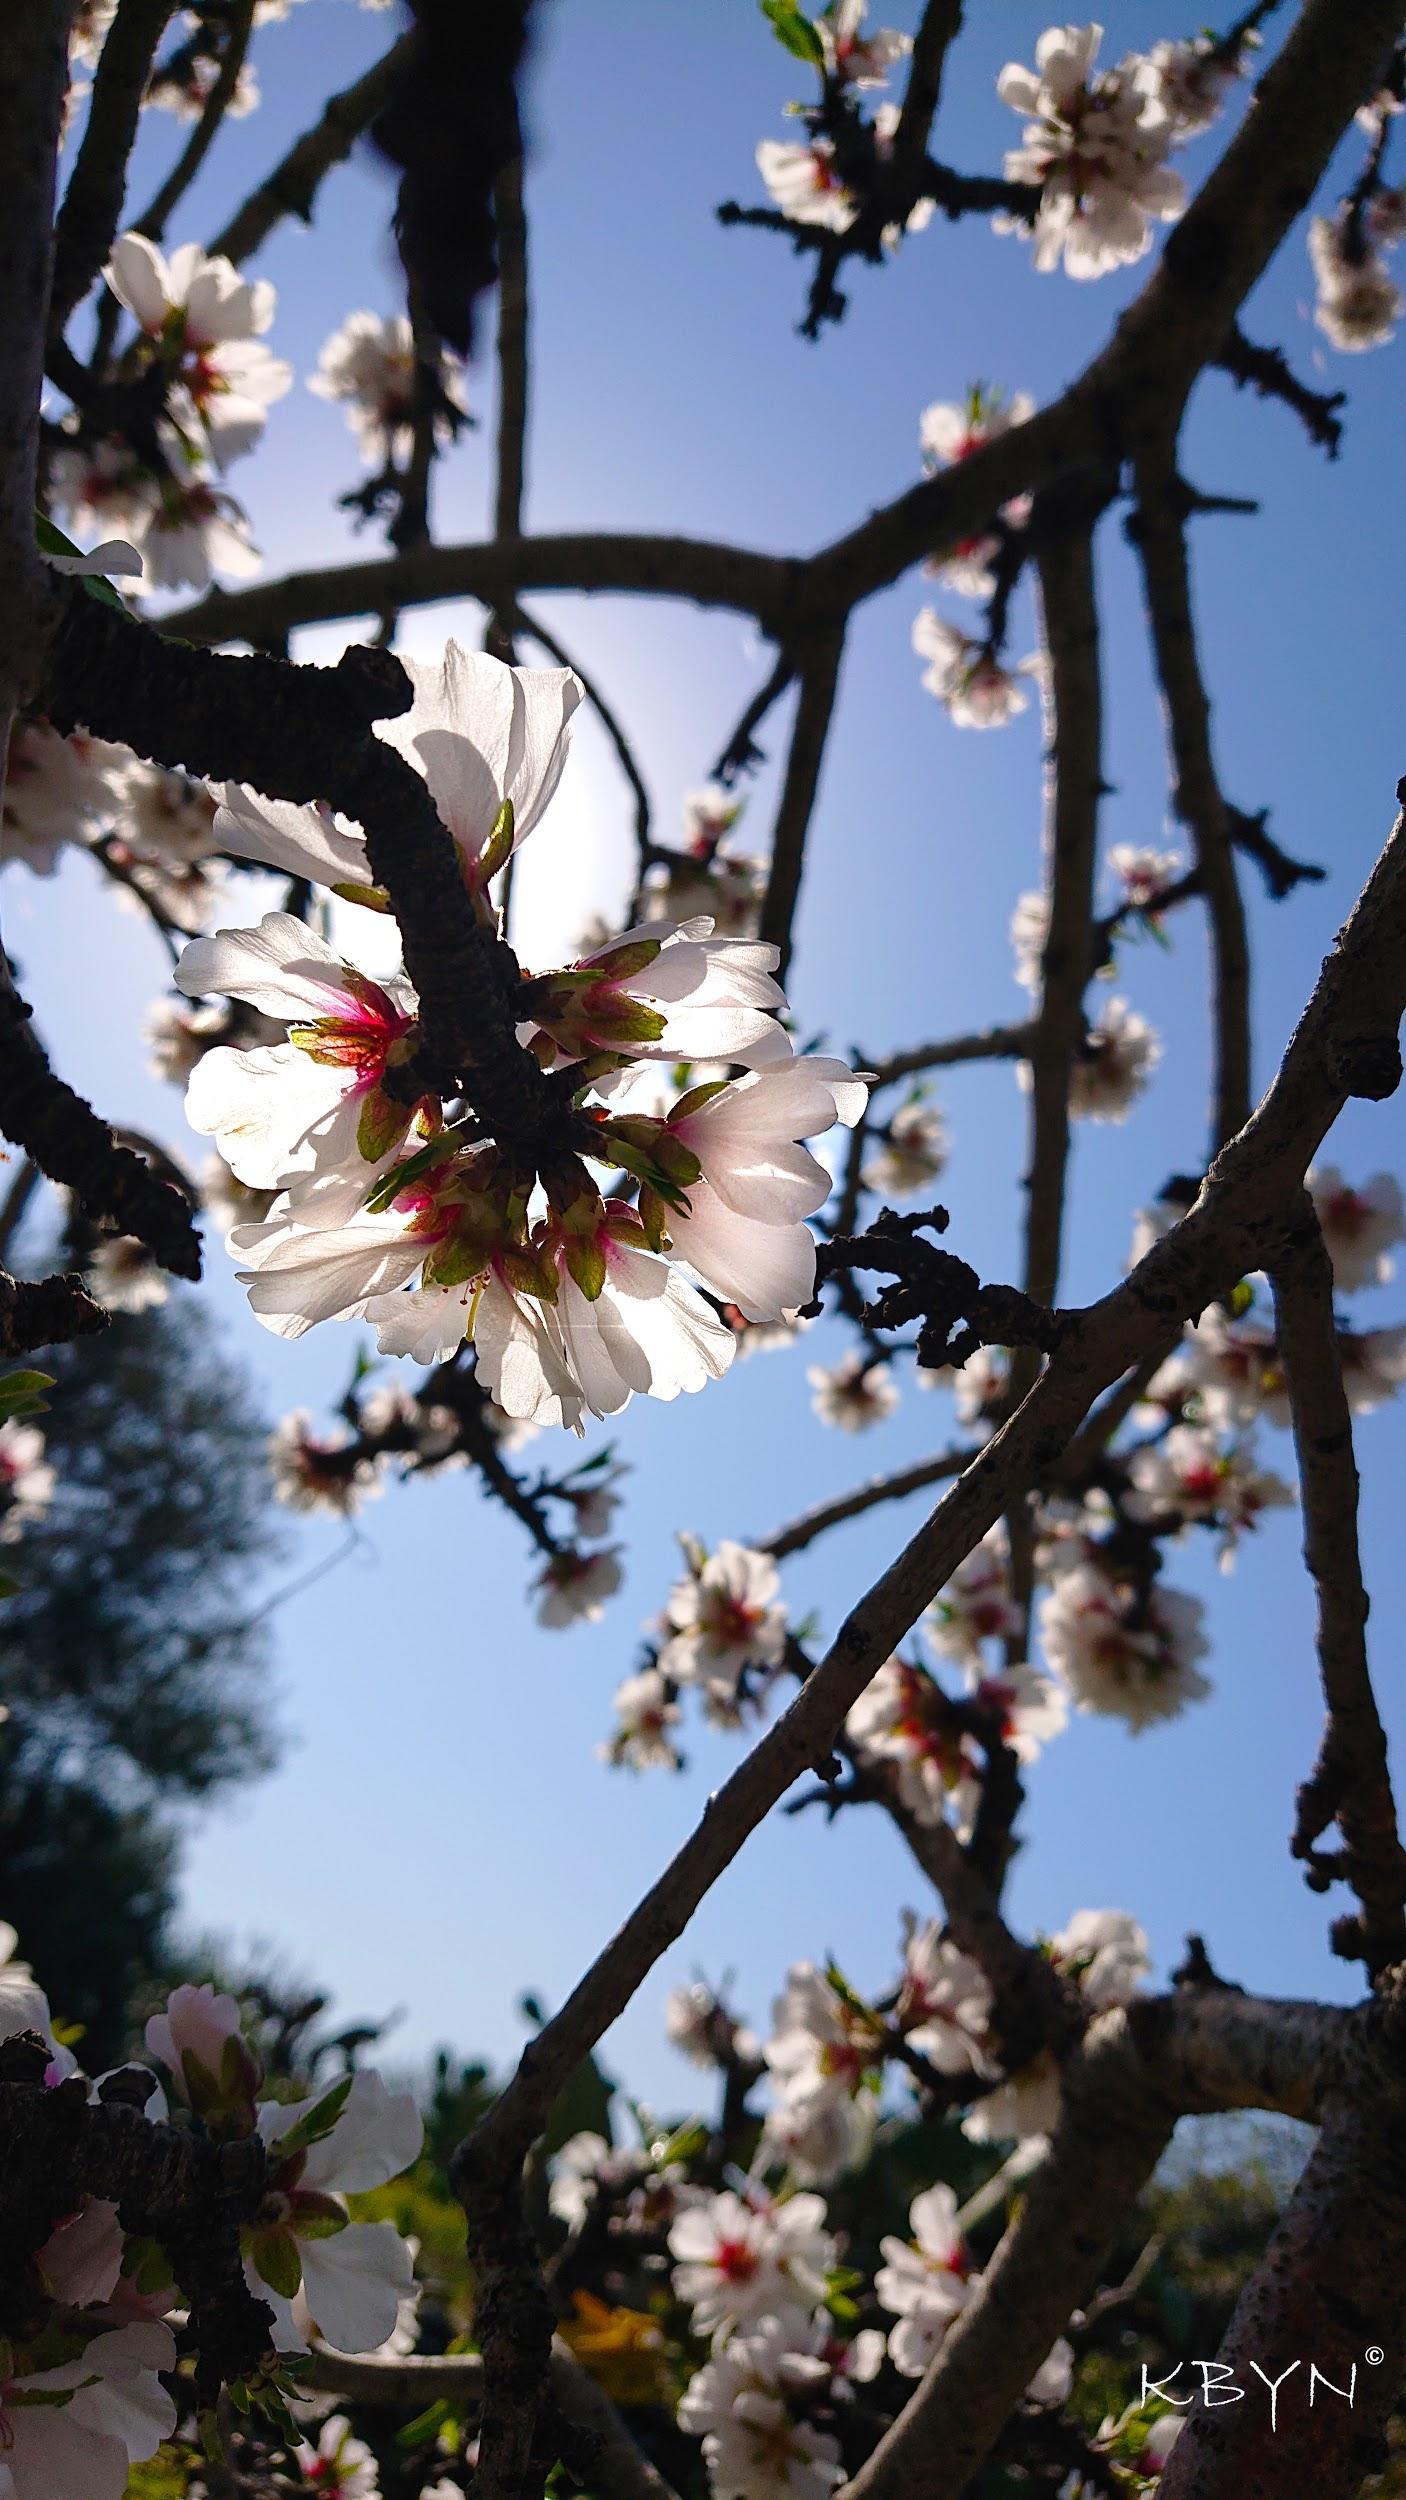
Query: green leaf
<point x="794" y="31"/>
<point x="23" y="1393"/>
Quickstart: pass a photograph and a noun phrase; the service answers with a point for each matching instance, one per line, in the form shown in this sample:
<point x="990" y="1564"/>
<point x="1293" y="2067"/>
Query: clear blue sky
<point x="439" y="1837"/>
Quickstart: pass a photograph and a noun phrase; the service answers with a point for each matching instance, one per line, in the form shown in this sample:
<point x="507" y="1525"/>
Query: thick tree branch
<point x="1350" y="1783"/>
<point x="51" y="1311"/>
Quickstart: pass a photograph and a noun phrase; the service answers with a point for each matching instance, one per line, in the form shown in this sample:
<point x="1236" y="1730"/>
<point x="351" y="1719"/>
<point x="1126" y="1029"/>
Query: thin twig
<point x="156" y="215"/>
<point x="819" y="676"/>
<point x="292" y="187"/>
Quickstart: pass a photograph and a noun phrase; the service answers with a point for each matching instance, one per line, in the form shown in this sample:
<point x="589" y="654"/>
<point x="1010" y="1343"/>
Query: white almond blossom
<point x="852" y="58"/>
<point x="1096" y="141"/>
<point x="573" y="1588"/>
<point x="737" y="2259"/>
<point x="852" y="1393"/>
<point x="1124" y="1652"/>
<point x="924" y="2281"/>
<point x="911" y="1152"/>
<point x="709" y="812"/>
<point x="728" y="887"/>
<point x="645" y="1713"/>
<point x="904" y="1721"/>
<point x="971" y="684"/>
<point x="1359" y="304"/>
<point x="205" y="319"/>
<point x="23" y="2004"/>
<point x="1118" y="1054"/>
<point x="1231" y="1368"/>
<point x="368" y="366"/>
<point x="340" y="2466"/>
<point x="743" y="1232"/>
<point x="76" y="2429"/>
<point x="354" y="2275"/>
<point x="1359" y="1226"/>
<point x="945" y="2004"/>
<point x="481" y="734"/>
<point x="949" y="431"/>
<point x="57" y="790"/>
<point x="1104" y="1954"/>
<point x="1374" y="1366"/>
<point x="737" y="2404"/>
<point x="801" y="177"/>
<point x="1143" y="874"/>
<point x="723" y="1617"/>
<point x="167" y="815"/>
<point x="123" y="1275"/>
<point x="975" y="1603"/>
<point x="312" y="1110"/>
<point x="1029" y="934"/>
<point x="1190" y="81"/>
<point x="662" y="992"/>
<point x="646" y="1330"/>
<point x="310" y="1473"/>
<point x="1193" y="1477"/>
<point x="824" y="2057"/>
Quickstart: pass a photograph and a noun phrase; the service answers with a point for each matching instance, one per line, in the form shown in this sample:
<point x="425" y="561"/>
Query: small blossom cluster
<point x="1096" y="143"/>
<point x="82" y="2397"/>
<point x="200" y="330"/>
<point x="808" y="181"/>
<point x="703" y="877"/>
<point x="1358" y="301"/>
<point x="369" y="368"/>
<point x="722" y="1635"/>
<point x="387" y="1210"/>
<point x="965" y="671"/>
<point x="152" y="830"/>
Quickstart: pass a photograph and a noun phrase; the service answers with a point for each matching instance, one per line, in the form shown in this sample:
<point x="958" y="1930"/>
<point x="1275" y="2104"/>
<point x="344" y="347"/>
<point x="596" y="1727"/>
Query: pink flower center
<point x="736" y="2261"/>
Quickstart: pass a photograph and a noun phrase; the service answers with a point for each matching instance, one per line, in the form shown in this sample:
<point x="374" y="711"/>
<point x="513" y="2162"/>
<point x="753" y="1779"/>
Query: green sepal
<point x="275" y="2259"/>
<point x="318" y="2217"/>
<point x="146" y="2266"/>
<point x="383" y="1194"/>
<point x="794" y="31"/>
<point x="455" y="1259"/>
<point x="212" y="2446"/>
<point x="498" y="849"/>
<point x="695" y="1098"/>
<point x="653" y="1214"/>
<point x="382" y="1121"/>
<point x="585" y="1262"/>
<point x="370" y="897"/>
<point x="623" y="962"/>
<point x="315" y="2123"/>
<point x="427" y="2425"/>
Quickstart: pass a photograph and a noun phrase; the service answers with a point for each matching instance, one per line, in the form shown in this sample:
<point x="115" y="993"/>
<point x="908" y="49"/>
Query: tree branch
<point x="1350" y="1782"/>
<point x="1159" y="534"/>
<point x="292" y="187"/>
<point x="156" y="215"/>
<point x="819" y="671"/>
<point x="801" y="1532"/>
<point x="92" y="204"/>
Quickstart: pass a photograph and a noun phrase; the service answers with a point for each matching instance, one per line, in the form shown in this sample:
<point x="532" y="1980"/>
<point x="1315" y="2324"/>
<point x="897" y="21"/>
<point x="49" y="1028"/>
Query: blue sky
<point x="438" y="1837"/>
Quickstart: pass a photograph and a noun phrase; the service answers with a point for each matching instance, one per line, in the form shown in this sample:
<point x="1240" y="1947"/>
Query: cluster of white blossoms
<point x="368" y="367"/>
<point x="1124" y="1647"/>
<point x="1097" y="142"/>
<point x="83" y="2401"/>
<point x="974" y="687"/>
<point x="201" y="325"/>
<point x="389" y="1211"/>
<point x="1358" y="303"/>
<point x="1103" y="1953"/>
<point x="722" y="1636"/>
<point x="965" y="671"/>
<point x="154" y="830"/>
<point x="802" y="176"/>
